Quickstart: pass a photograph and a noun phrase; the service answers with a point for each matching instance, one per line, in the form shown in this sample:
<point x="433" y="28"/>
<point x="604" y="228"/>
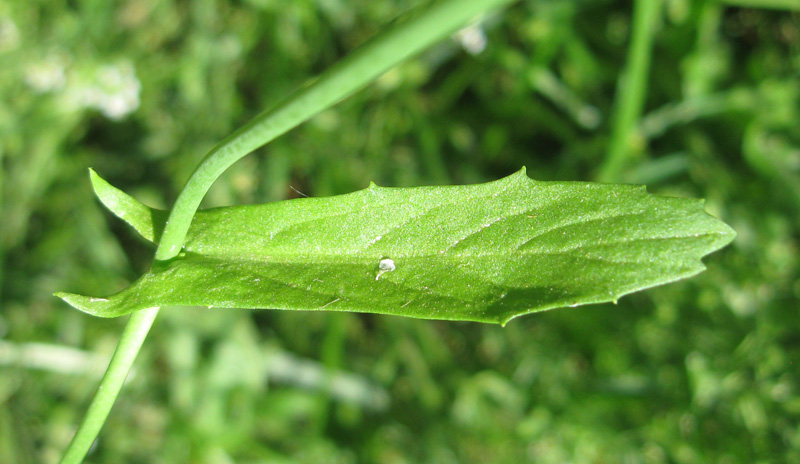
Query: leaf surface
<point x="487" y="252"/>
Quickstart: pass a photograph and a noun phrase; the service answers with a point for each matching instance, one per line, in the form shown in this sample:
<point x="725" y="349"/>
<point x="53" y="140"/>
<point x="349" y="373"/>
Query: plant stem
<point x="631" y="90"/>
<point x="128" y="347"/>
<point x="401" y="40"/>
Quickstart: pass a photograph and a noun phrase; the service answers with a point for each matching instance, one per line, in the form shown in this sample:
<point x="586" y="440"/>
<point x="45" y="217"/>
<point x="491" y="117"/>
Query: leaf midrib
<point x="342" y="258"/>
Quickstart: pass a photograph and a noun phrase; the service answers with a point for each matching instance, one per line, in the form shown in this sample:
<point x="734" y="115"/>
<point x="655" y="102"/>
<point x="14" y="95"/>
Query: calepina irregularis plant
<point x="486" y="253"/>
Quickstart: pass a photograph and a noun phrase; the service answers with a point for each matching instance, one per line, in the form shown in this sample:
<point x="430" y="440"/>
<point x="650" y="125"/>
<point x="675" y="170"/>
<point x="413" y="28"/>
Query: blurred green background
<point x="700" y="371"/>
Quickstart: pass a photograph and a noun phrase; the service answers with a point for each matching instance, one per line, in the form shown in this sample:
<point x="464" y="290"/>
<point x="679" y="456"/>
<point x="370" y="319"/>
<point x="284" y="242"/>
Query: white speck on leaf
<point x="385" y="265"/>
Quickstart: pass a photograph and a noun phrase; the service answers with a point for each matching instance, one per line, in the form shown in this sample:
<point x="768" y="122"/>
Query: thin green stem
<point x="631" y="90"/>
<point x="403" y="39"/>
<point x="128" y="347"/>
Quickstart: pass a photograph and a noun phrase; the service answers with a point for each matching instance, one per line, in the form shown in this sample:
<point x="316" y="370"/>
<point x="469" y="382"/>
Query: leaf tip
<point x="147" y="221"/>
<point x="725" y="234"/>
<point x="98" y="183"/>
<point x="87" y="304"/>
<point x="728" y="232"/>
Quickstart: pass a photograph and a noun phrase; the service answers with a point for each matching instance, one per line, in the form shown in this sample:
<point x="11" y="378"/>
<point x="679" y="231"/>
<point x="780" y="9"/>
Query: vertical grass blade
<point x="631" y="90"/>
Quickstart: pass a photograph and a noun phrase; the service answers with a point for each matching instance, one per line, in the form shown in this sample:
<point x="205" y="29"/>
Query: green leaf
<point x="148" y="222"/>
<point x="487" y="252"/>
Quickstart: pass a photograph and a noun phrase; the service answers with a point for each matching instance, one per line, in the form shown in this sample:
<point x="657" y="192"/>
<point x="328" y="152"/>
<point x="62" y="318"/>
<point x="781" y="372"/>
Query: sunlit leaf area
<point x="482" y="253"/>
<point x="704" y="370"/>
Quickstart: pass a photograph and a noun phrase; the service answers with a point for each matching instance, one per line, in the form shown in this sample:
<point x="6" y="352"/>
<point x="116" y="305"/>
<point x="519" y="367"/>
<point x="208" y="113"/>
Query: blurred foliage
<point x="699" y="371"/>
